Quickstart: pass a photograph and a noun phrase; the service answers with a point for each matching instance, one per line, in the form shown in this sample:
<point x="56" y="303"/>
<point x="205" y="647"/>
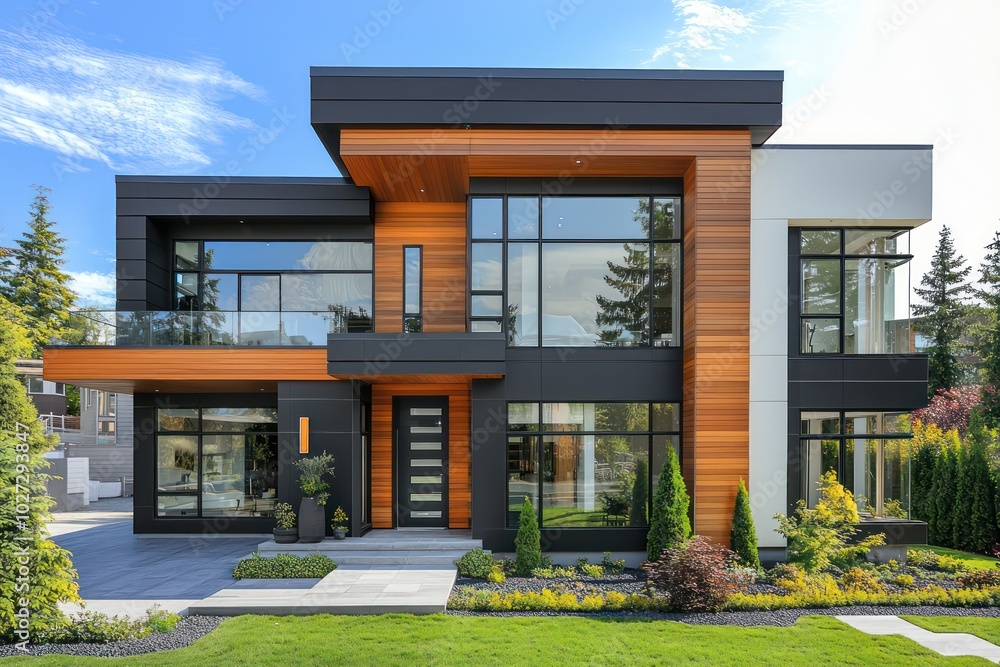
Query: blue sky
<point x="91" y="88"/>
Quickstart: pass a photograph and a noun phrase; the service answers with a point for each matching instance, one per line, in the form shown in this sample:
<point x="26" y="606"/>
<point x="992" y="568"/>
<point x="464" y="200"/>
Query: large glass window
<point x="413" y="320"/>
<point x="216" y="462"/>
<point x="587" y="465"/>
<point x="577" y="271"/>
<point x="855" y="291"/>
<point x="868" y="451"/>
<point x="274" y="292"/>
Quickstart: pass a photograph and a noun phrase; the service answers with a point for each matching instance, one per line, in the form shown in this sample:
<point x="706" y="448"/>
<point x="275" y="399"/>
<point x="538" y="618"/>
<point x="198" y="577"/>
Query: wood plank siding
<point x="716" y="429"/>
<point x="459" y="450"/>
<point x="440" y="229"/>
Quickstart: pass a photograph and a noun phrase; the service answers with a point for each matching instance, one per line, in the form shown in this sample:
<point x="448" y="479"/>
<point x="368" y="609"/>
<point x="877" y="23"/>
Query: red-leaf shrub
<point x="695" y="576"/>
<point x="950" y="408"/>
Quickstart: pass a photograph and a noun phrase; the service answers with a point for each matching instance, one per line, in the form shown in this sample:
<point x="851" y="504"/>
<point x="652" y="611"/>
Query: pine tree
<point x="23" y="443"/>
<point x="640" y="495"/>
<point x="975" y="525"/>
<point x="669" y="525"/>
<point x="528" y="543"/>
<point x="943" y="291"/>
<point x="942" y="525"/>
<point x="743" y="536"/>
<point x="989" y="348"/>
<point x="33" y="279"/>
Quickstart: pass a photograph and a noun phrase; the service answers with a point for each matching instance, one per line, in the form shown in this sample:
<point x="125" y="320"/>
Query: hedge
<point x="284" y="566"/>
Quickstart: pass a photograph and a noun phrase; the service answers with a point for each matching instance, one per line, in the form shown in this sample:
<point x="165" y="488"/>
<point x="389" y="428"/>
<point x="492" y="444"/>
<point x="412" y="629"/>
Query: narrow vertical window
<point x="412" y="289"/>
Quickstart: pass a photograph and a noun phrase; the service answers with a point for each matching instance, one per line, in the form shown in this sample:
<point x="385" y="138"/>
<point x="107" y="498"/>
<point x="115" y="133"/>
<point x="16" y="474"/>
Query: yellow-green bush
<point x="934" y="595"/>
<point x="496" y="575"/>
<point x="904" y="580"/>
<point x="859" y="580"/>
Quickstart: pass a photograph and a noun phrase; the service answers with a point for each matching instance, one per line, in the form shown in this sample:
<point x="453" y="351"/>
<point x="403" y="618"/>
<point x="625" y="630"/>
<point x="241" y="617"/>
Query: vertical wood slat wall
<point x="441" y="229"/>
<point x="459" y="450"/>
<point x="716" y="430"/>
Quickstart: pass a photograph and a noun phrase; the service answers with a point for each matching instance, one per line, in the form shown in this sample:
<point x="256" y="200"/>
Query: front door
<point x="422" y="462"/>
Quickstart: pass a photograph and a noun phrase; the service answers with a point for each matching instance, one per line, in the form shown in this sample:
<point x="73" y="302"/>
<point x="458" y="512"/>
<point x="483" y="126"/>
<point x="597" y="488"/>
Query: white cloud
<point x="93" y="288"/>
<point x="123" y="110"/>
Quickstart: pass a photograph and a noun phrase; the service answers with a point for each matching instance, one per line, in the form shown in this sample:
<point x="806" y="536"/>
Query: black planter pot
<point x="286" y="535"/>
<point x="312" y="521"/>
<point x="339" y="533"/>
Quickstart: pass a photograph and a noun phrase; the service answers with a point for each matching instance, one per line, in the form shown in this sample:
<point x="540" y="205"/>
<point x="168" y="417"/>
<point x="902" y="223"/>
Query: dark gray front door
<point x="422" y="462"/>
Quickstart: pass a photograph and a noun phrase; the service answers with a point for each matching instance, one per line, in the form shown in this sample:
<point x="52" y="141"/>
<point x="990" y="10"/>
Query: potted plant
<point x="339" y="523"/>
<point x="284" y="530"/>
<point x="311" y="513"/>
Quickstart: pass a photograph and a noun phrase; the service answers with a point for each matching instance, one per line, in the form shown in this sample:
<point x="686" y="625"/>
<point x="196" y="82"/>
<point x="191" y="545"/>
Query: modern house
<point x="528" y="283"/>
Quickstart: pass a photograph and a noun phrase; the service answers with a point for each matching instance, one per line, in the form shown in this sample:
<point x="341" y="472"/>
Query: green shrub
<point x="284" y="516"/>
<point x="496" y="575"/>
<point x="669" y="525"/>
<point x="929" y="560"/>
<point x="975" y="526"/>
<point x="469" y="599"/>
<point x="528" y="543"/>
<point x="981" y="578"/>
<point x="591" y="570"/>
<point x="743" y="535"/>
<point x="933" y="596"/>
<point x="821" y="536"/>
<point x="694" y="576"/>
<point x="475" y="563"/>
<point x="904" y="580"/>
<point x="313" y="470"/>
<point x="95" y="628"/>
<point x="554" y="572"/>
<point x="860" y="580"/>
<point x="615" y="566"/>
<point x="161" y="620"/>
<point x="640" y="495"/>
<point x="284" y="566"/>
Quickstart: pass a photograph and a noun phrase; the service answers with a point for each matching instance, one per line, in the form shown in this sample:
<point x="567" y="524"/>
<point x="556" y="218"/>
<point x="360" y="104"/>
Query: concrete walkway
<point x="945" y="643"/>
<point x="348" y="590"/>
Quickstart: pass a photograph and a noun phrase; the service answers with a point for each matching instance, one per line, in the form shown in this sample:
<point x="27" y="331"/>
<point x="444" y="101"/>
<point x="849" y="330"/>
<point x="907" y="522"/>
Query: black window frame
<point x="843" y="257"/>
<point x="417" y="316"/>
<point x="650" y="433"/>
<point x="539" y="241"/>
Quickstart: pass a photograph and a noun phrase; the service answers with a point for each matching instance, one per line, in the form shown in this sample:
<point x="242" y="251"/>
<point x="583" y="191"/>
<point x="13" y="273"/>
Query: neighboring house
<point x="530" y="283"/>
<point x="102" y="432"/>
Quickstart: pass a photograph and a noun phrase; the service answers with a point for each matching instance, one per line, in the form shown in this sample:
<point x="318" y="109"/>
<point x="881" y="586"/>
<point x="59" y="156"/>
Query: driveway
<point x="122" y="573"/>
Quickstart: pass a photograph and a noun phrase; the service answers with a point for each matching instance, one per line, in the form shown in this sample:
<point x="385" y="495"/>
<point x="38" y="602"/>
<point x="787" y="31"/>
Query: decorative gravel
<point x="749" y="619"/>
<point x="188" y="630"/>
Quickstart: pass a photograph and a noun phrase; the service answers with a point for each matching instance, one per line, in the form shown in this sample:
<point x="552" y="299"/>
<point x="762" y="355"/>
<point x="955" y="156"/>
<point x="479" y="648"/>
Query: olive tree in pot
<point x="284" y="530"/>
<point x="339" y="524"/>
<point x="312" y="524"/>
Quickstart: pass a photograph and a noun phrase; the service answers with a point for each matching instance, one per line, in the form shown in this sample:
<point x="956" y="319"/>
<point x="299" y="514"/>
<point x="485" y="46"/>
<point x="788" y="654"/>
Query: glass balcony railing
<point x="216" y="327"/>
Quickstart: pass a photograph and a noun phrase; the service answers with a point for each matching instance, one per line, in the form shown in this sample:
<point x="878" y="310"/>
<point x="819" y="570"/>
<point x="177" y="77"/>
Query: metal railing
<point x="219" y="327"/>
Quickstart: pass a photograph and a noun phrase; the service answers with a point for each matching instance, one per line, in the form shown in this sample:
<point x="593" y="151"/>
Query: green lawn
<point x="451" y="640"/>
<point x="985" y="628"/>
<point x="972" y="561"/>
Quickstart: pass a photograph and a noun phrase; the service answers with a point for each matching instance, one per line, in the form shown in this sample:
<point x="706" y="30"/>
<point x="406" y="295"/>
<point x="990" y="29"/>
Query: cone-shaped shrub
<point x="669" y="526"/>
<point x="528" y="543"/>
<point x="743" y="536"/>
<point x="941" y="528"/>
<point x="975" y="524"/>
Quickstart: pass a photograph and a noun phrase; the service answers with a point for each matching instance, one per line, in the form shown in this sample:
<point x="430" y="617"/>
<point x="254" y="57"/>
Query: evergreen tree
<point x="926" y="445"/>
<point x="640" y="495"/>
<point x="743" y="536"/>
<point x="23" y="534"/>
<point x="975" y="527"/>
<point x="943" y="291"/>
<point x="669" y="525"/>
<point x="528" y="543"/>
<point x="989" y="346"/>
<point x="33" y="279"/>
<point x="942" y="527"/>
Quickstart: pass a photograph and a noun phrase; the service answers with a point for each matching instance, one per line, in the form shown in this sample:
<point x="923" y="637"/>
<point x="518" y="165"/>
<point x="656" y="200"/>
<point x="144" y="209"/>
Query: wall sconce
<point x="303" y="435"/>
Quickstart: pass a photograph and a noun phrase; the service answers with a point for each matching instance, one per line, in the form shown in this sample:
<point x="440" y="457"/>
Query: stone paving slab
<point x="944" y="643"/>
<point x="350" y="589"/>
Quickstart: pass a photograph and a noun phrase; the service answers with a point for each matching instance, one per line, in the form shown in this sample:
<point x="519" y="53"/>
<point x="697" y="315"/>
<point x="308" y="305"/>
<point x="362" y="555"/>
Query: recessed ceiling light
<point x="241" y="222"/>
<point x="421" y="189"/>
<point x="578" y="161"/>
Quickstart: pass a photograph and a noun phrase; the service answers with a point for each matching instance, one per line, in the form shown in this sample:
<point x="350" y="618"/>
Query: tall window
<point x="413" y="289"/>
<point x="216" y="462"/>
<point x="869" y="452"/>
<point x="855" y="291"/>
<point x="577" y="271"/>
<point x="587" y="465"/>
<point x="274" y="292"/>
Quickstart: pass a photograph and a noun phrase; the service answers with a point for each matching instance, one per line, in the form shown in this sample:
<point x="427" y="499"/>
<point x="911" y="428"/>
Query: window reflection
<point x="595" y="217"/>
<point x="289" y="255"/>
